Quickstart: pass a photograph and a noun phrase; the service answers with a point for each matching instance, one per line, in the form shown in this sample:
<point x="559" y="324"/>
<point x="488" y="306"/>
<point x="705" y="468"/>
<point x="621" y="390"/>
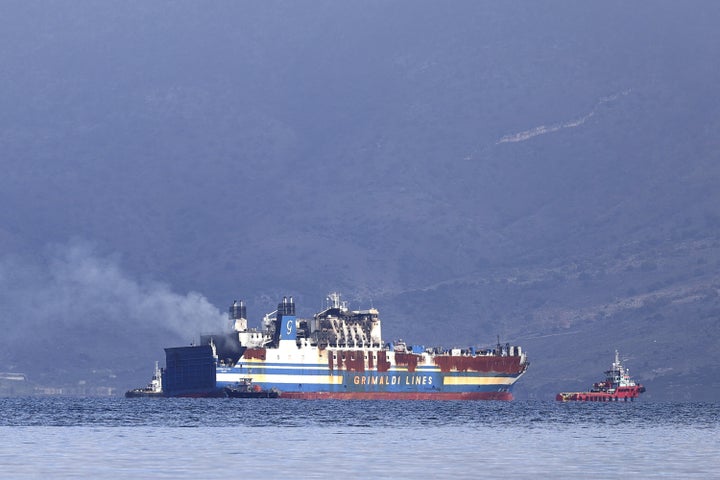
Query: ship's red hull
<point x="398" y="395"/>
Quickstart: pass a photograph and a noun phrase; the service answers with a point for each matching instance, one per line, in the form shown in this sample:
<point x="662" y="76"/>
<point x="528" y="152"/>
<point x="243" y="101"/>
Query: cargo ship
<point x="337" y="354"/>
<point x="618" y="385"/>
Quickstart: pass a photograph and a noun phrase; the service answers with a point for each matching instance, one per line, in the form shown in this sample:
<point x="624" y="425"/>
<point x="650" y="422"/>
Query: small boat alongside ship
<point x="152" y="389"/>
<point x="618" y="385"/>
<point x="245" y="389"/>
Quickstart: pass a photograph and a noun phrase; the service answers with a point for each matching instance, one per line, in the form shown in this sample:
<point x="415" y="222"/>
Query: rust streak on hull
<point x="449" y="363"/>
<point x="258" y="353"/>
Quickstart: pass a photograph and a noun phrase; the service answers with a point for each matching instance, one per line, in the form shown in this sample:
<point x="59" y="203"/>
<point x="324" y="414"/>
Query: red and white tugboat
<point x="617" y="385"/>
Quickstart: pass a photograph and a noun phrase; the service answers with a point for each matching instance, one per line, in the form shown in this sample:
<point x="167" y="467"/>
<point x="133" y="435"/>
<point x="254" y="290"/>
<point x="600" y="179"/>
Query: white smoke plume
<point x="70" y="297"/>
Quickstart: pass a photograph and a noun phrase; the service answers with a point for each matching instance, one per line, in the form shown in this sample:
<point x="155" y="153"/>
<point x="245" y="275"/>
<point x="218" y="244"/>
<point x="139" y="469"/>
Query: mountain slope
<point x="544" y="172"/>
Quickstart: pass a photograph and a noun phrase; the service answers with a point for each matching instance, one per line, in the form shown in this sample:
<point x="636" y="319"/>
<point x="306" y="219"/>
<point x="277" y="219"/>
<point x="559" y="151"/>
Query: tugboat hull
<point x="599" y="396"/>
<point x="236" y="393"/>
<point x="143" y="393"/>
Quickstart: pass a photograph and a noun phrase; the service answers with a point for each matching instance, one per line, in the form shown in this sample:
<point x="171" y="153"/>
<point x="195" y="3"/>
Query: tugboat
<point x="245" y="389"/>
<point x="153" y="389"/>
<point x="617" y="385"/>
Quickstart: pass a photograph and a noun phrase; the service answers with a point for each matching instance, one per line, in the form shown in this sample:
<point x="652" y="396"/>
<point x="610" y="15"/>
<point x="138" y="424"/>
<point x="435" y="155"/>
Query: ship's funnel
<point x="285" y="307"/>
<point x="237" y="310"/>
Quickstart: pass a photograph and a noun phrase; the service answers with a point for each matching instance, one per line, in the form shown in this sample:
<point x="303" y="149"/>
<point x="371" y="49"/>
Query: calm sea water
<point x="234" y="438"/>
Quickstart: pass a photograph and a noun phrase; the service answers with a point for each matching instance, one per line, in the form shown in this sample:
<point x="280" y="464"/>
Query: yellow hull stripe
<point x="479" y="380"/>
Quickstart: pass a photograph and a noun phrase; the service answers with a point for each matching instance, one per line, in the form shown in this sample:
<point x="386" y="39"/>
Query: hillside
<point x="546" y="173"/>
